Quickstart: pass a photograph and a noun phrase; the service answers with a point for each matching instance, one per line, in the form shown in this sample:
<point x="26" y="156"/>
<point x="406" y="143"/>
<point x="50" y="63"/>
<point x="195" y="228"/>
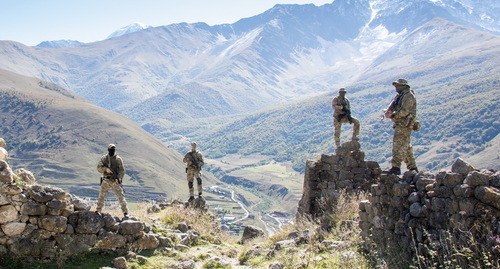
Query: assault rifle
<point x="347" y="114"/>
<point x="194" y="161"/>
<point x="388" y="111"/>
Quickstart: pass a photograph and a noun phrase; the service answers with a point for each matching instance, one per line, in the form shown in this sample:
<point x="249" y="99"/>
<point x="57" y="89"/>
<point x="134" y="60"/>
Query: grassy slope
<point x="60" y="138"/>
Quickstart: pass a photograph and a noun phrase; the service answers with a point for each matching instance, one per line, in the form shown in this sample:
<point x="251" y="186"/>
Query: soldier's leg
<point x="410" y="159"/>
<point x="198" y="180"/>
<point x="401" y="145"/>
<point x="121" y="196"/>
<point x="338" y="126"/>
<point x="103" y="191"/>
<point x="190" y="179"/>
<point x="355" y="130"/>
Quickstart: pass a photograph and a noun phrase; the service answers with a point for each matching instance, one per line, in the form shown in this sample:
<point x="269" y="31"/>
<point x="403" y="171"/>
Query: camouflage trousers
<point x="338" y="127"/>
<point x="105" y="186"/>
<point x="191" y="174"/>
<point x="402" y="151"/>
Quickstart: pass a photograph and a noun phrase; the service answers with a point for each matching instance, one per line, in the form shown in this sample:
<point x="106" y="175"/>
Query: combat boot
<point x="394" y="171"/>
<point x="191" y="198"/>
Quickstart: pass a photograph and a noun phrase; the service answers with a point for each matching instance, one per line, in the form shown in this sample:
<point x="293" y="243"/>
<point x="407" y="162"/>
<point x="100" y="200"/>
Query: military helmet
<point x="111" y="146"/>
<point x="400" y="81"/>
<point x="342" y="90"/>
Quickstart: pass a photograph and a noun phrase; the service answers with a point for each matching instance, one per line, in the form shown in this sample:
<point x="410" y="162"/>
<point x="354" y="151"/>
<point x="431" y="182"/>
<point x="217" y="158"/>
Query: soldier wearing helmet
<point x="112" y="169"/>
<point x="342" y="114"/>
<point x="194" y="163"/>
<point x="403" y="112"/>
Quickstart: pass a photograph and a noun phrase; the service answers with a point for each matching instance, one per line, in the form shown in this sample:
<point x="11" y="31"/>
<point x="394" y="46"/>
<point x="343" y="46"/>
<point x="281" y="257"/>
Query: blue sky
<point x="33" y="21"/>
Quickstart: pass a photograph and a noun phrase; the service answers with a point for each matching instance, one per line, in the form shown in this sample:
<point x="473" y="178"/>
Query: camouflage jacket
<point x="115" y="163"/>
<point x="338" y="101"/>
<point x="405" y="109"/>
<point x="193" y="160"/>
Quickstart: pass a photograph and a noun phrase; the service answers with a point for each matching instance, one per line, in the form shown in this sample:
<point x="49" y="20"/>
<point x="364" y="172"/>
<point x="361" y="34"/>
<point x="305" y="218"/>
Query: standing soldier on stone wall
<point x="112" y="169"/>
<point x="403" y="112"/>
<point x="194" y="162"/>
<point x="342" y="114"/>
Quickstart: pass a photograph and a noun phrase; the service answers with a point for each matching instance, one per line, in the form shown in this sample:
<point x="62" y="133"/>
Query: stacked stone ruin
<point x="405" y="212"/>
<point x="344" y="171"/>
<point x="46" y="223"/>
<point x="416" y="211"/>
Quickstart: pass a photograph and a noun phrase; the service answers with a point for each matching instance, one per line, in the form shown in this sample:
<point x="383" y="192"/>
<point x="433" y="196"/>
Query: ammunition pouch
<point x="416" y="126"/>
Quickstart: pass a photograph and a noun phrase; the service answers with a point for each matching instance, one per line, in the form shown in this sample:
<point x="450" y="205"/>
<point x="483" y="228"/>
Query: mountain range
<point x="263" y="85"/>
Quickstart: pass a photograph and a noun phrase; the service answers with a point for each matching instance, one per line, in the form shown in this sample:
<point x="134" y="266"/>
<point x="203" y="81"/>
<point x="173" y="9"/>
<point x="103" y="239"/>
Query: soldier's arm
<point x="186" y="158"/>
<point x="408" y="106"/>
<point x="100" y="166"/>
<point x="335" y="105"/>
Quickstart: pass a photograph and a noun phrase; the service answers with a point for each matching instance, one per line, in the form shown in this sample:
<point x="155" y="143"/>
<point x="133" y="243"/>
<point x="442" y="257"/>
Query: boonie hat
<point x="400" y="81"/>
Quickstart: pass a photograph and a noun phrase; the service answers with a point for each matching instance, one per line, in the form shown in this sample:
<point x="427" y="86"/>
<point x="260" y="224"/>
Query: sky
<point x="33" y="21"/>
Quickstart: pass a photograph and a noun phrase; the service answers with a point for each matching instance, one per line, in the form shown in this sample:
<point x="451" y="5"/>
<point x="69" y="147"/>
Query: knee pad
<point x="198" y="179"/>
<point x="190" y="184"/>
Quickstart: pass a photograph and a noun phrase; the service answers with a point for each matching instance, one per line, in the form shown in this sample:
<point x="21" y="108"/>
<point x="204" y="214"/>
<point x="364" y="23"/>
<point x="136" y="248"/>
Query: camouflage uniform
<point x="339" y="117"/>
<point x="194" y="162"/>
<point x="115" y="163"/>
<point x="404" y="116"/>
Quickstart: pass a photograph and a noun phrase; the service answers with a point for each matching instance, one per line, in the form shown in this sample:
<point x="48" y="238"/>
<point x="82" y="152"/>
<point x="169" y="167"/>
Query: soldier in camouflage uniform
<point x="112" y="169"/>
<point x="194" y="162"/>
<point x="342" y="114"/>
<point x="403" y="112"/>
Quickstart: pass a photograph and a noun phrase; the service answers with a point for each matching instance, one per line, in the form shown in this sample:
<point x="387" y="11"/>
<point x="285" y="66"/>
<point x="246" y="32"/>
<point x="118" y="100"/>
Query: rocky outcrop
<point x="325" y="178"/>
<point x="418" y="211"/>
<point x="41" y="222"/>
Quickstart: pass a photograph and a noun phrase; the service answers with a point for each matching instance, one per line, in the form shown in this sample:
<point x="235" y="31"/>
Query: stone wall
<point x="414" y="212"/>
<point x="39" y="222"/>
<point x="324" y="179"/>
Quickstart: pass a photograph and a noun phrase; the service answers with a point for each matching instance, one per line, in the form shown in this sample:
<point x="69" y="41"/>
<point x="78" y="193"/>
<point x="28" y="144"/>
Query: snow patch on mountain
<point x="134" y="27"/>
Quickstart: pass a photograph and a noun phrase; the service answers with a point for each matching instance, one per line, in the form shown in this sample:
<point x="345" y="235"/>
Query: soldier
<point x="342" y="114"/>
<point x="194" y="162"/>
<point x="112" y="170"/>
<point x="403" y="112"/>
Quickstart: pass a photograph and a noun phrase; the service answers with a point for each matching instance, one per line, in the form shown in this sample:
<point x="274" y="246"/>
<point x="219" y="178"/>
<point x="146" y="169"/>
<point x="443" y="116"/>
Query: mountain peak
<point x="134" y="27"/>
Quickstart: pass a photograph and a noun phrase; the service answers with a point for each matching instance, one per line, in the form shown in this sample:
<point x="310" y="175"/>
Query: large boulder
<point x="13" y="228"/>
<point x="53" y="223"/>
<point x="111" y="241"/>
<point x="461" y="167"/>
<point x="148" y="241"/>
<point x="131" y="227"/>
<point x="6" y="174"/>
<point x="43" y="194"/>
<point x="32" y="208"/>
<point x="86" y="222"/>
<point x="8" y="213"/>
<point x="80" y="204"/>
<point x="25" y="175"/>
<point x="251" y="232"/>
<point x="488" y="195"/>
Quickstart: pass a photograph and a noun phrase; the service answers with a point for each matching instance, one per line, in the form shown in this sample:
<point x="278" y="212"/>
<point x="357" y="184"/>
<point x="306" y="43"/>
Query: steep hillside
<point x="60" y="137"/>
